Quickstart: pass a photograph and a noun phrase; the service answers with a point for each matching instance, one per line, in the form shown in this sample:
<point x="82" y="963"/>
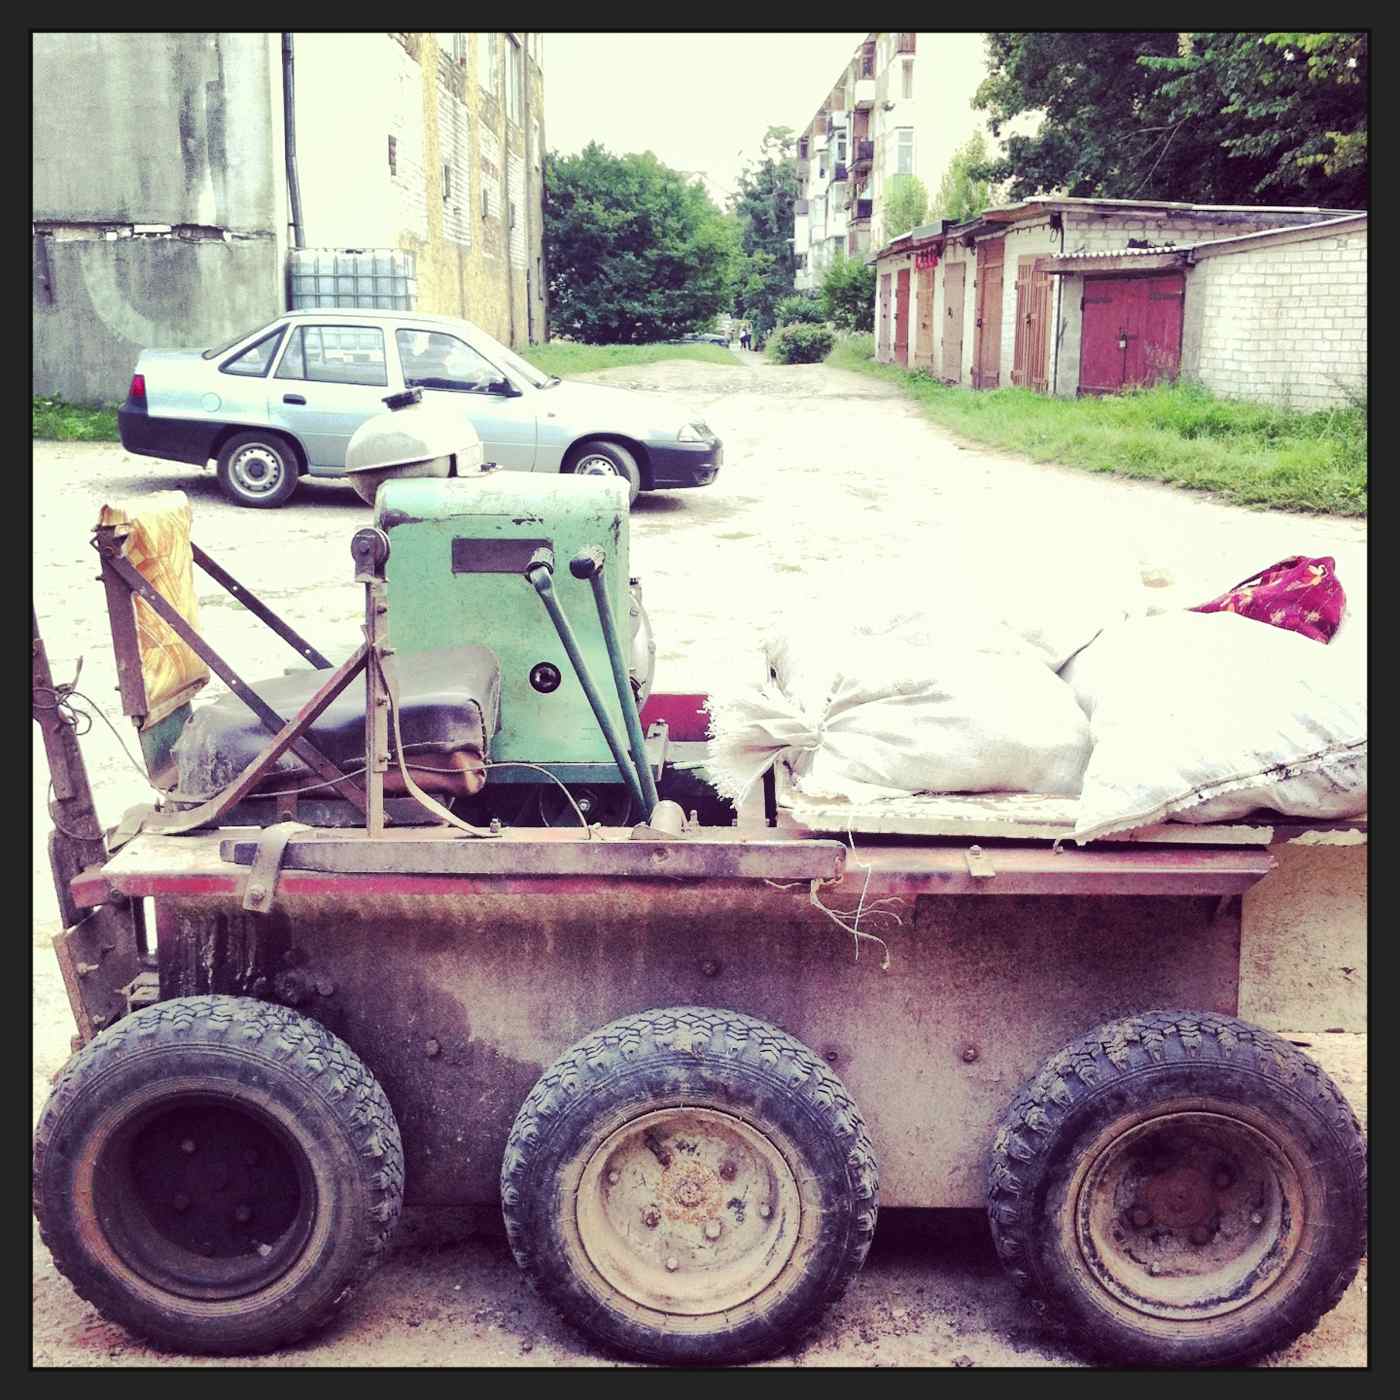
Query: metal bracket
<point x="142" y="990"/>
<point x="979" y="864"/>
<point x="261" y="888"/>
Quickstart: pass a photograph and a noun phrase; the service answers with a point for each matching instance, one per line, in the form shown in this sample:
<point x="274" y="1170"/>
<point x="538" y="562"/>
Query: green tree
<point x="636" y="251"/>
<point x="1225" y="118"/>
<point x="960" y="194"/>
<point x="763" y="207"/>
<point x="906" y="205"/>
<point x="848" y="294"/>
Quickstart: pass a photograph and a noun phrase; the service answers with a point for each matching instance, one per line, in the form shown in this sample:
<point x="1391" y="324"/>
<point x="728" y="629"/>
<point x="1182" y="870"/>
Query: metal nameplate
<point x="494" y="556"/>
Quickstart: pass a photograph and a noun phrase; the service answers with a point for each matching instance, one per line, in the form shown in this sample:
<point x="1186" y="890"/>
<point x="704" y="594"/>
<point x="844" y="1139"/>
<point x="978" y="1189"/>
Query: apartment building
<point x="163" y="214"/>
<point x="866" y="132"/>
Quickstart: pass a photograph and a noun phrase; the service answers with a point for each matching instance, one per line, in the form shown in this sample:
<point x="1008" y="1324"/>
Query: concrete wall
<point x="1284" y="323"/>
<point x="176" y="133"/>
<point x="471" y="261"/>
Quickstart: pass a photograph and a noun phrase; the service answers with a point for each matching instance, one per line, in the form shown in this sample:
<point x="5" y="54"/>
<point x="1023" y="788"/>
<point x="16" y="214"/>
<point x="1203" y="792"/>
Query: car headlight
<point x="695" y="432"/>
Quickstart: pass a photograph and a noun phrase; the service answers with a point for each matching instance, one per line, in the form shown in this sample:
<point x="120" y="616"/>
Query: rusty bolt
<point x="325" y="987"/>
<point x="432" y="1049"/>
<point x="712" y="1230"/>
<point x="1256" y="1219"/>
<point x="672" y="1264"/>
<point x="652" y="1219"/>
<point x="1224" y="1177"/>
<point x="495" y="826"/>
<point x="614" y="1177"/>
<point x="182" y="1202"/>
<point x="187" y="1146"/>
<point x="831" y="1057"/>
<point x="765" y="1211"/>
<point x="727" y="1171"/>
<point x="710" y="967"/>
<point x="969" y="1054"/>
<point x="1141" y="1217"/>
<point x="1154" y="1268"/>
<point x="207" y="1248"/>
<point x="243" y="1214"/>
<point x="1201" y="1234"/>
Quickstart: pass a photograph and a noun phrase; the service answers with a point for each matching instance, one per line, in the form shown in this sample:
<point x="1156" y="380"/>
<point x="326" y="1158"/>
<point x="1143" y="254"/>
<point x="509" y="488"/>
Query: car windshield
<point x="505" y="358"/>
<point x="215" y="351"/>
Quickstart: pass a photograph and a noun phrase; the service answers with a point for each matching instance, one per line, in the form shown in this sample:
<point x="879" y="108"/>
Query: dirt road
<point x="824" y="472"/>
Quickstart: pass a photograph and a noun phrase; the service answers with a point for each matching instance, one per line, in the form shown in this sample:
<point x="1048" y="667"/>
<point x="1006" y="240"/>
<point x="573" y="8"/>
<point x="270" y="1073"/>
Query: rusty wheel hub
<point x="688" y="1210"/>
<point x="1189" y="1215"/>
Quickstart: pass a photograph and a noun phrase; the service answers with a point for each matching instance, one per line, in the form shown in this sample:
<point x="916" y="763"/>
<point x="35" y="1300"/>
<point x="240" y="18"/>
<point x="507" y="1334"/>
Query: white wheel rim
<point x="599" y="466"/>
<point x="256" y="470"/>
<point x="688" y="1211"/>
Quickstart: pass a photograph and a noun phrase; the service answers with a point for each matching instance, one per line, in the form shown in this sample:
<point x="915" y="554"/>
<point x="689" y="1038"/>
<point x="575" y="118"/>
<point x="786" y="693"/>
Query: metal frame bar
<point x="259" y="609"/>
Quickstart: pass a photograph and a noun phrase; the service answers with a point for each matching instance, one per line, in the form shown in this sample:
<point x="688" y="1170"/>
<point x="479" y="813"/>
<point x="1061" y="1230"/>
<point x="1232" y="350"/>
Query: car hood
<point x="603" y="408"/>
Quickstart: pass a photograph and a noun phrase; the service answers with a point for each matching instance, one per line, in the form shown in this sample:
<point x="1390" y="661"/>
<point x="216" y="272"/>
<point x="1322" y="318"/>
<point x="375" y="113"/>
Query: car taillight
<point x="138" y="387"/>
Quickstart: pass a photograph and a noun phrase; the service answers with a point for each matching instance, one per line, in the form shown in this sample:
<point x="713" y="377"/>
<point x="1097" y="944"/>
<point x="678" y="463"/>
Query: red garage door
<point x="1132" y="331"/>
<point x="901" y="316"/>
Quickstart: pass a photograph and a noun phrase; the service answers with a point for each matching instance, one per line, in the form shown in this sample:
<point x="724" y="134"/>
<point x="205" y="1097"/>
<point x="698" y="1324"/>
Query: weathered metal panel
<point x="1032" y="324"/>
<point x="882" y="344"/>
<point x="901" y="317"/>
<point x="458" y="1005"/>
<point x="954" y="298"/>
<point x="923" y="338"/>
<point x="986" y="356"/>
<point x="1131" y="331"/>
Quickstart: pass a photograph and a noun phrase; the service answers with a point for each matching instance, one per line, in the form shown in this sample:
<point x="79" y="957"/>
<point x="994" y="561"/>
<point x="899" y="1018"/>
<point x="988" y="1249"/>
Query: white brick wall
<point x="515" y="183"/>
<point x="1284" y="324"/>
<point x="455" y="145"/>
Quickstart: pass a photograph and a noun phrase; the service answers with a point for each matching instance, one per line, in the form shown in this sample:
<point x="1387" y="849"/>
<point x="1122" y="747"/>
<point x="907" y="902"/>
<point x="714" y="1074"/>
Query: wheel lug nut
<point x="182" y="1202"/>
<point x="1256" y="1219"/>
<point x="672" y="1264"/>
<point x="187" y="1145"/>
<point x="712" y="1230"/>
<point x="1141" y="1217"/>
<point x="243" y="1214"/>
<point x="614" y="1177"/>
<point x="207" y="1249"/>
<point x="765" y="1211"/>
<point x="652" y="1219"/>
<point x="1201" y="1235"/>
<point x="1154" y="1268"/>
<point x="727" y="1171"/>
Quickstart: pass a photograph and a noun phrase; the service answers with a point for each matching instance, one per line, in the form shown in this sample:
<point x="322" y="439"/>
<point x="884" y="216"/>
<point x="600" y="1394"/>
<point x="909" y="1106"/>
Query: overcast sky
<point x="702" y="102"/>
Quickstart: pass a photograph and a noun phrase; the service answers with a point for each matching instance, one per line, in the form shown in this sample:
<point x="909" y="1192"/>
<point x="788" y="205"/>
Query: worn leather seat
<point x="450" y="703"/>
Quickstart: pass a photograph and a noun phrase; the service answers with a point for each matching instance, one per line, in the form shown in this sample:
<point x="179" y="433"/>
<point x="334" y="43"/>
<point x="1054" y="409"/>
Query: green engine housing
<point x="456" y="574"/>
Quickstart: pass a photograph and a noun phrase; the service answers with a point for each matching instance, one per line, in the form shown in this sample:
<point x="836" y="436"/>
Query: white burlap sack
<point x="1206" y="717"/>
<point x="859" y="718"/>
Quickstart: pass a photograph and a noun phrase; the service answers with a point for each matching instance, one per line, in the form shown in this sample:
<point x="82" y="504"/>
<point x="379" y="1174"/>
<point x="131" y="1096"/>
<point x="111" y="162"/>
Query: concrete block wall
<point x="1282" y="324"/>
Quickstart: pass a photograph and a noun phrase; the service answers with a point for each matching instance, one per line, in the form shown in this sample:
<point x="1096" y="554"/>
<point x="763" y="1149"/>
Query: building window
<point x="908" y="67"/>
<point x="488" y="60"/>
<point x="904" y="151"/>
<point x="446" y="183"/>
<point x="393" y="156"/>
<point x="454" y="44"/>
<point x="514" y="78"/>
<point x="841" y="146"/>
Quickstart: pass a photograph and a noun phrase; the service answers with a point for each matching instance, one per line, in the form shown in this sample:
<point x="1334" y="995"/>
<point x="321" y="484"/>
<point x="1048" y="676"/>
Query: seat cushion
<point x="449" y="702"/>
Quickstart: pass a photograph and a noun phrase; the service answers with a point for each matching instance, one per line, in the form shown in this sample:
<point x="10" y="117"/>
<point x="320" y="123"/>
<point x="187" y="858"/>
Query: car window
<point x="434" y="360"/>
<point x="255" y="360"/>
<point x="336" y="355"/>
<point x="224" y="347"/>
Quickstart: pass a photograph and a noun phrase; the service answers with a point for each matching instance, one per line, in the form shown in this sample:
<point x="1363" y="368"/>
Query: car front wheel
<point x="608" y="459"/>
<point x="257" y="469"/>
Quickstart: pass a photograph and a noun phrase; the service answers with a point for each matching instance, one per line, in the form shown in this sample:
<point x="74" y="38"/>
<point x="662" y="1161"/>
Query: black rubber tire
<point x="284" y="1073"/>
<point x="1123" y="1074"/>
<point x="622" y="459"/>
<point x="695" y="1057"/>
<point x="279" y="452"/>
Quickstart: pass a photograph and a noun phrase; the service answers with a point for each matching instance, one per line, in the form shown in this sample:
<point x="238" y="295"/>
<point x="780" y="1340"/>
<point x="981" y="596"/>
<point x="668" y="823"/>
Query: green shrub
<point x="799" y="310"/>
<point x="800" y="344"/>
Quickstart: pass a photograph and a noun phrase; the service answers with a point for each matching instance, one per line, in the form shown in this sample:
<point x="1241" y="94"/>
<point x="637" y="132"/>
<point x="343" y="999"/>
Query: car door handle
<point x="293" y="398"/>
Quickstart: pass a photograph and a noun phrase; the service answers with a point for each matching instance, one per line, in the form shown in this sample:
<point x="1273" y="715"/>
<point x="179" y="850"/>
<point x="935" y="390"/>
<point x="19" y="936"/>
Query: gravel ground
<point x="825" y="471"/>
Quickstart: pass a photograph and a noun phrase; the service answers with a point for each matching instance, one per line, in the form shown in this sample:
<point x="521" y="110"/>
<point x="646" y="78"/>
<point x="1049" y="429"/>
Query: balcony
<point x="803" y="206"/>
<point x="839" y="175"/>
<point x="906" y="43"/>
<point x="864" y="207"/>
<point x="865" y="154"/>
<point x="864" y="94"/>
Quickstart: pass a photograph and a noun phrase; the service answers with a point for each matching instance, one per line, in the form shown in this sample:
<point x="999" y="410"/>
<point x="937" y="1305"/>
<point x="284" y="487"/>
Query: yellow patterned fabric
<point x="157" y="545"/>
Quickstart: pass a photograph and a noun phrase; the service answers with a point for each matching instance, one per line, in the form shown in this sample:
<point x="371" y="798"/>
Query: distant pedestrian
<point x="744" y="338"/>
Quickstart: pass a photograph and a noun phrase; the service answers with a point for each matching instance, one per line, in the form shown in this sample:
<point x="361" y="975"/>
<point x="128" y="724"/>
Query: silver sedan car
<point x="281" y="402"/>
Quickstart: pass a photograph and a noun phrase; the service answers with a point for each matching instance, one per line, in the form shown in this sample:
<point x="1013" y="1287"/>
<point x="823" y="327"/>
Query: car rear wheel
<point x="258" y="469"/>
<point x="608" y="459"/>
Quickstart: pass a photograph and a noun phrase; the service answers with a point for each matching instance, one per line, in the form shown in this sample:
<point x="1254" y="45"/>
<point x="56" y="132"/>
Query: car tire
<point x="258" y="469"/>
<point x="217" y="1174"/>
<point x="690" y="1186"/>
<point x="1180" y="1189"/>
<point x="602" y="458"/>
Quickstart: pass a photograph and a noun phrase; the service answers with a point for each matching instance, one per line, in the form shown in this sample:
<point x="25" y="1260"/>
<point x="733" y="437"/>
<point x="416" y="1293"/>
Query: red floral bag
<point x="1299" y="594"/>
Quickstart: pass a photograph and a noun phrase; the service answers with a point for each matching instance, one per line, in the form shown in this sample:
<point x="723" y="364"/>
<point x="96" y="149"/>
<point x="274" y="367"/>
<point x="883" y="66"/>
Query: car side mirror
<point x="504" y="388"/>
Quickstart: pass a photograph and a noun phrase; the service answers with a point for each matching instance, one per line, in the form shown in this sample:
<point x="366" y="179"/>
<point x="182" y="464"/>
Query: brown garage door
<point x="901" y="316"/>
<point x="923" y="331"/>
<point x="1132" y="331"/>
<point x="986" y="356"/>
<point x="1032" y="325"/>
<point x="882" y="345"/>
<point x="954" y="299"/>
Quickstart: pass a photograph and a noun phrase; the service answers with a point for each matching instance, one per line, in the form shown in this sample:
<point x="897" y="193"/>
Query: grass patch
<point x="72" y="422"/>
<point x="565" y="357"/>
<point x="1247" y="453"/>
